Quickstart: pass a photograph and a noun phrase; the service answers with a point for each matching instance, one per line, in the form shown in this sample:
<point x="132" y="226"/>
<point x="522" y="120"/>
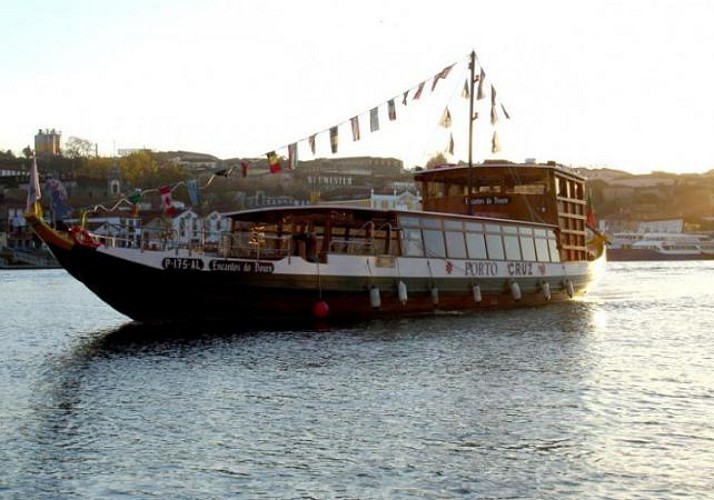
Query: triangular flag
<point x="292" y="156"/>
<point x="450" y="146"/>
<point x="311" y="141"/>
<point x="193" y="194"/>
<point x="333" y="139"/>
<point x="505" y="113"/>
<point x="479" y="93"/>
<point x="465" y="92"/>
<point x="244" y="169"/>
<point x="392" y="110"/>
<point x="417" y="95"/>
<point x="33" y="188"/>
<point x="404" y="97"/>
<point x="445" y="118"/>
<point x="354" y="122"/>
<point x="273" y="163"/>
<point x="495" y="143"/>
<point x="494" y="115"/>
<point x="374" y="120"/>
<point x="440" y="75"/>
<point x="493" y="95"/>
<point x="167" y="201"/>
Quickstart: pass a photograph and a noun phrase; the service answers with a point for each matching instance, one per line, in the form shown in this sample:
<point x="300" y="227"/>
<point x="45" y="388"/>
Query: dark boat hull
<point x="153" y="295"/>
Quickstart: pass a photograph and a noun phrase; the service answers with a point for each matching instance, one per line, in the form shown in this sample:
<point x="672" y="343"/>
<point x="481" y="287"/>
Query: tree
<point x="27" y="151"/>
<point x="437" y="159"/>
<point x="78" y="148"/>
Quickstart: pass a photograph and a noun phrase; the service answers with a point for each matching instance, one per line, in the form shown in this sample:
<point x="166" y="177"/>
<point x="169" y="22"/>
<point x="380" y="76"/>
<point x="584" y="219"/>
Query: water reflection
<point x="390" y="401"/>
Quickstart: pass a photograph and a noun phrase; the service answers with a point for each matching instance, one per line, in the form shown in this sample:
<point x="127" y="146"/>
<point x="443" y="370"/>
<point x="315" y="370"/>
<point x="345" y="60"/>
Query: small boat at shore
<point x="489" y="236"/>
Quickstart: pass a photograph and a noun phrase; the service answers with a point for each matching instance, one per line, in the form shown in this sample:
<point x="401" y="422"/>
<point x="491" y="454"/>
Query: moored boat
<point x="490" y="236"/>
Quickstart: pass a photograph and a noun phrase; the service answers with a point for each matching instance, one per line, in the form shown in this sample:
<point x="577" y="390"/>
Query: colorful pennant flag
<point x="392" y="110"/>
<point x="244" y="169"/>
<point x="374" y="119"/>
<point x="273" y="162"/>
<point x="450" y="146"/>
<point x="505" y="113"/>
<point x="445" y="118"/>
<point x="135" y="197"/>
<point x="292" y="156"/>
<point x="168" y="203"/>
<point x="33" y="189"/>
<point x="479" y="93"/>
<point x="354" y="122"/>
<point x="495" y="143"/>
<point x="58" y="198"/>
<point x="440" y="76"/>
<point x="193" y="194"/>
<point x="404" y="97"/>
<point x="311" y="142"/>
<point x="333" y="140"/>
<point x="465" y="92"/>
<point x="418" y="92"/>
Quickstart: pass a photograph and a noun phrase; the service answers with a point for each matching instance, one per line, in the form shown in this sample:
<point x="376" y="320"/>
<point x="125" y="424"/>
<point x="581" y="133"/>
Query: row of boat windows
<point x="418" y="237"/>
<point x="472" y="240"/>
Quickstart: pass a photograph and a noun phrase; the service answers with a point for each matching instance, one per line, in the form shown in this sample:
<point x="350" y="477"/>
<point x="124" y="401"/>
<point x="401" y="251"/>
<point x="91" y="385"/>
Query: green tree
<point x="78" y="148"/>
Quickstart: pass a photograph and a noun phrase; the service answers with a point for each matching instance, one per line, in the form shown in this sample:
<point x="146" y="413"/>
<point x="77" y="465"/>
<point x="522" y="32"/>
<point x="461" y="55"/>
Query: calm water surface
<point x="608" y="397"/>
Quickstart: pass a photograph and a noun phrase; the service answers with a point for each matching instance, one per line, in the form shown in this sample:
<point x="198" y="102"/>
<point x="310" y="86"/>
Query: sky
<point x="625" y="84"/>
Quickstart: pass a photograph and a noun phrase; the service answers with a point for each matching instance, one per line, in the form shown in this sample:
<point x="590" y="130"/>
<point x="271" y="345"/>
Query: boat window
<point x="528" y="248"/>
<point x="476" y="245"/>
<point x="409" y="221"/>
<point x="454" y="224"/>
<point x="434" y="243"/>
<point x="513" y="251"/>
<point x="412" y="243"/>
<point x="554" y="253"/>
<point x="494" y="245"/>
<point x="493" y="228"/>
<point x="541" y="246"/>
<point x="455" y="244"/>
<point x="540" y="233"/>
<point x="510" y="230"/>
<point x="526" y="231"/>
<point x="474" y="226"/>
<point x="431" y="223"/>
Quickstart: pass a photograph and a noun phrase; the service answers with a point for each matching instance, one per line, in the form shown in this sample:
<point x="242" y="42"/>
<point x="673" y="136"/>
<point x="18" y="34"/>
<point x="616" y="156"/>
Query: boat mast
<point x="472" y="67"/>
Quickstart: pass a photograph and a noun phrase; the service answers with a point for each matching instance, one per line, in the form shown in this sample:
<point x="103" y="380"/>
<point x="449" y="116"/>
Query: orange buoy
<point x="320" y="310"/>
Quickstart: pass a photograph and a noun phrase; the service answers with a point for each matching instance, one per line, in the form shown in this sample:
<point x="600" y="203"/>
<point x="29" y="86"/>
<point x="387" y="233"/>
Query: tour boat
<point x="634" y="246"/>
<point x="493" y="235"/>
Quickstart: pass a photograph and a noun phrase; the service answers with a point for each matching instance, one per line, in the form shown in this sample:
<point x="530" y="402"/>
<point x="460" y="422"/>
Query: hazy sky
<point x="627" y="84"/>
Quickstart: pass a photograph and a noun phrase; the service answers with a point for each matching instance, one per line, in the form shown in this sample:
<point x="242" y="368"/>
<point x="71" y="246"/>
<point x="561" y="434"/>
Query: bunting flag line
<point x="374" y="119"/>
<point x="169" y="208"/>
<point x="311" y="142"/>
<point x="404" y="97"/>
<point x="465" y="92"/>
<point x="244" y="169"/>
<point x="273" y="163"/>
<point x="505" y="113"/>
<point x="292" y="156"/>
<point x="418" y="92"/>
<point x="333" y="140"/>
<point x="440" y="76"/>
<point x="445" y="118"/>
<point x="392" y="108"/>
<point x="354" y="123"/>
<point x="135" y="197"/>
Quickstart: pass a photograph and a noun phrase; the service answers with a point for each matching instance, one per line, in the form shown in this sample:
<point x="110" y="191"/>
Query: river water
<point x="611" y="396"/>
